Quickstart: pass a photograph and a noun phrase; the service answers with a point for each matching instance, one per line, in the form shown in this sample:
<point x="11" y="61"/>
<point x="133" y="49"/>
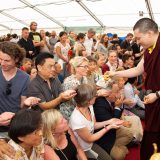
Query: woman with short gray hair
<point x="83" y="123"/>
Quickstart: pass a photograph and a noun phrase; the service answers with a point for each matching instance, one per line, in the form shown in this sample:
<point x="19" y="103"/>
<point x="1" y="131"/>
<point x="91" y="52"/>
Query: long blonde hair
<point x="50" y="119"/>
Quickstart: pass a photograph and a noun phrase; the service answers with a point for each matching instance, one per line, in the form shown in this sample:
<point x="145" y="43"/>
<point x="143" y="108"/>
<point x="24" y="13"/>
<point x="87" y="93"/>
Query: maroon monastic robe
<point x="152" y="82"/>
<point x="152" y="111"/>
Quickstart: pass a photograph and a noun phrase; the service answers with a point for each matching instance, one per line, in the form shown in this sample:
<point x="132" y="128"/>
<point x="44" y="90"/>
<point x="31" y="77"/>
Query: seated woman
<point x="26" y="135"/>
<point x="60" y="138"/>
<point x="83" y="123"/>
<point x="131" y="92"/>
<point x="79" y="66"/>
<point x="5" y="118"/>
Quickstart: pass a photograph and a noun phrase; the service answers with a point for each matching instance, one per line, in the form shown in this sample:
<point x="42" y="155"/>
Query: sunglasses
<point x="8" y="88"/>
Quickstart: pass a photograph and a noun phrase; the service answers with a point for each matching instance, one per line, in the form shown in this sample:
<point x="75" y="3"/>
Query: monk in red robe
<point x="147" y="35"/>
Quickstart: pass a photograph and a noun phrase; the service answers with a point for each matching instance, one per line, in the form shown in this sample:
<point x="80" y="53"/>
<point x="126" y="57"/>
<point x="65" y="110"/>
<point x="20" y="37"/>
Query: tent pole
<point x="90" y="13"/>
<point x="149" y="8"/>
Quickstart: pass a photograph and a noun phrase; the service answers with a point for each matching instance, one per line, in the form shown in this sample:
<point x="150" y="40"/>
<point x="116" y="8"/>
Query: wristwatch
<point x="157" y="94"/>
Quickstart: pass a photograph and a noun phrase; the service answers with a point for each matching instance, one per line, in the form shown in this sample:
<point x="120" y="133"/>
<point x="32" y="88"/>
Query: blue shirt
<point x="18" y="87"/>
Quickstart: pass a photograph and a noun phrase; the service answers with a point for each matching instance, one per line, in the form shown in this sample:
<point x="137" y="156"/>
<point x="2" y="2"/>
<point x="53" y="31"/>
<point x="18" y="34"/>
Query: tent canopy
<point x="116" y="16"/>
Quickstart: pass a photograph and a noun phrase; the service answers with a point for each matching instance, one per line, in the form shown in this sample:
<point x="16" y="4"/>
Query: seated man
<point x="45" y="86"/>
<point x="114" y="141"/>
<point x="13" y="83"/>
<point x="26" y="65"/>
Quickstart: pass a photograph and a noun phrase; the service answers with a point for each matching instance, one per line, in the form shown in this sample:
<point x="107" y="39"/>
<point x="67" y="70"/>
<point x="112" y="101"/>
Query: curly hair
<point x="13" y="50"/>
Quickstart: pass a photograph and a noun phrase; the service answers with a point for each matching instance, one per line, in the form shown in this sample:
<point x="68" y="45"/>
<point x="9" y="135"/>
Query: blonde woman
<point x="79" y="66"/>
<point x="59" y="138"/>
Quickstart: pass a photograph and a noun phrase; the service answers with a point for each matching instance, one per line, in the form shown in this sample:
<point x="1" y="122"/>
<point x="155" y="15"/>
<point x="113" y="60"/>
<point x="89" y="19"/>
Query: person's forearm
<point x="61" y="57"/>
<point x="96" y="136"/>
<point x="133" y="72"/>
<point x="49" y="47"/>
<point x="23" y="98"/>
<point x="81" y="155"/>
<point x="36" y="44"/>
<point x="59" y="54"/>
<point x="51" y="104"/>
<point x="99" y="125"/>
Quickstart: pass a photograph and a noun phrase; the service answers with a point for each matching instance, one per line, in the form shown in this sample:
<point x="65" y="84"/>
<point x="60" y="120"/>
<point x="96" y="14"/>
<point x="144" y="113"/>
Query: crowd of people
<point x="79" y="96"/>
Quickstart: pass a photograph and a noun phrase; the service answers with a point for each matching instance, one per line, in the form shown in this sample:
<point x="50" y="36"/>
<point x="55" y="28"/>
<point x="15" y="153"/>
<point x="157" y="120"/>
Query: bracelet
<point x="157" y="94"/>
<point x="105" y="127"/>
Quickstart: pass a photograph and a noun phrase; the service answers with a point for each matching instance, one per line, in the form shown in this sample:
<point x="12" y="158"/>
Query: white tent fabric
<point x="116" y="16"/>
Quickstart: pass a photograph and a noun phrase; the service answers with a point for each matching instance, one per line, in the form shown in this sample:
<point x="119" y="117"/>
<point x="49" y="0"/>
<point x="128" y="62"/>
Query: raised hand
<point x="67" y="95"/>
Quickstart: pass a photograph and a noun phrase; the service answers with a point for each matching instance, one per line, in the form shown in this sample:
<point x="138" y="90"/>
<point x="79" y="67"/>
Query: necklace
<point x="62" y="153"/>
<point x="84" y="115"/>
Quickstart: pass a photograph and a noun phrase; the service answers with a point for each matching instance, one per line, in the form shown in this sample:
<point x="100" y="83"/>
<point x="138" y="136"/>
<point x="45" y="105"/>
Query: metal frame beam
<point x="90" y="13"/>
<point x="4" y="26"/>
<point x="42" y="13"/>
<point x="149" y="8"/>
<point x="14" y="18"/>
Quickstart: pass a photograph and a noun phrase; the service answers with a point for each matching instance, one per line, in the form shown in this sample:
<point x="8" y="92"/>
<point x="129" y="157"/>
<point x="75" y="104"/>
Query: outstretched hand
<point x="31" y="101"/>
<point x="112" y="126"/>
<point x="110" y="73"/>
<point x="150" y="98"/>
<point x="5" y="118"/>
<point x="115" y="121"/>
<point x="67" y="95"/>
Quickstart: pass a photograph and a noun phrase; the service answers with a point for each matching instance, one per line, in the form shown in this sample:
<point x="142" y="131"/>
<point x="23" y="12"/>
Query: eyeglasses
<point x="8" y="88"/>
<point x="86" y="67"/>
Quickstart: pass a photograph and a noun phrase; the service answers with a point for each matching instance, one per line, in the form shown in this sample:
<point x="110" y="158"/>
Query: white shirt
<point x="15" y="40"/>
<point x="129" y="93"/>
<point x="64" y="51"/>
<point x="88" y="43"/>
<point x="78" y="121"/>
<point x="112" y="67"/>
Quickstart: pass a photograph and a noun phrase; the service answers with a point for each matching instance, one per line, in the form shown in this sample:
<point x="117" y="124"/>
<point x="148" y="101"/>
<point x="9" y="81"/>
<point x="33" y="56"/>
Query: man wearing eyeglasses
<point x="13" y="83"/>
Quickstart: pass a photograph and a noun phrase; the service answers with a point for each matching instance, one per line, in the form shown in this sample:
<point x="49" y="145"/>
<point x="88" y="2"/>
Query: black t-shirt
<point x="37" y="38"/>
